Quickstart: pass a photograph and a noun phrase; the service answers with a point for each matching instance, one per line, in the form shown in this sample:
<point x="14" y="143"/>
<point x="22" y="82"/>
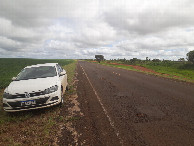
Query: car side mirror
<point x="13" y="79"/>
<point x="62" y="74"/>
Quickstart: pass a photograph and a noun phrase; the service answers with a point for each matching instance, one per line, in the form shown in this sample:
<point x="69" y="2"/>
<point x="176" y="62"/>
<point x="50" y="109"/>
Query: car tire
<point x="61" y="103"/>
<point x="67" y="88"/>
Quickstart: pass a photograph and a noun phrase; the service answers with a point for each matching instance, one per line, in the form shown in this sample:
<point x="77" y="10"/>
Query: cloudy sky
<point x="79" y="29"/>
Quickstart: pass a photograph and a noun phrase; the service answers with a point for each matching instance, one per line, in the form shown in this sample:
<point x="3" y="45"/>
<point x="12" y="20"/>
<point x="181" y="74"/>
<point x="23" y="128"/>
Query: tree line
<point x="190" y="58"/>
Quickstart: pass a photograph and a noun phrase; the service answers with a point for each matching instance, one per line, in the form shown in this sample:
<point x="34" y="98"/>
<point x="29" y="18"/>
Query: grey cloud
<point x="150" y="20"/>
<point x="35" y="13"/>
<point x="9" y="45"/>
<point x="19" y="34"/>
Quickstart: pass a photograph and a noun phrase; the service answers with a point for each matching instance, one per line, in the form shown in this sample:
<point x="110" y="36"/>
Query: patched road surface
<point x="120" y="107"/>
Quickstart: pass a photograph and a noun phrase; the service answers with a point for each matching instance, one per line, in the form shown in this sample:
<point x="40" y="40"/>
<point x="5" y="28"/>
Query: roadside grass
<point x="118" y="66"/>
<point x="175" y="70"/>
<point x="35" y="127"/>
<point x="70" y="69"/>
<point x="181" y="71"/>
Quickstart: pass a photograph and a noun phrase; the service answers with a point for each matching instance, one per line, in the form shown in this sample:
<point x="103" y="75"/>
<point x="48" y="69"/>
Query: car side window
<point x="61" y="68"/>
<point x="58" y="69"/>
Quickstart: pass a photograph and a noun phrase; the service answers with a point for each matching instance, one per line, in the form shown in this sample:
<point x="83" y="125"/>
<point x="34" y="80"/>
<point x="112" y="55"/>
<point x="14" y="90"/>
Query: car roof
<point x="45" y="64"/>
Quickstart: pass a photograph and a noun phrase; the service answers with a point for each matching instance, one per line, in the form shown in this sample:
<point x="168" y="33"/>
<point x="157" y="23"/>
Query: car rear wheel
<point x="60" y="104"/>
<point x="67" y="87"/>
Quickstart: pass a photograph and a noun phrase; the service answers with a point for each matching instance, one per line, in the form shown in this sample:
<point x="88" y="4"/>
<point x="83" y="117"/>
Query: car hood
<point x="31" y="85"/>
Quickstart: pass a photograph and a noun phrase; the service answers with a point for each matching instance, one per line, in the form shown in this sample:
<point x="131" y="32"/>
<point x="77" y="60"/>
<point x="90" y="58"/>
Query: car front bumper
<point x="13" y="105"/>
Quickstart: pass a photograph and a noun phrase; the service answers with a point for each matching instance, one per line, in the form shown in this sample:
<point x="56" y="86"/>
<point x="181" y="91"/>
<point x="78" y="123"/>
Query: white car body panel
<point x="35" y="84"/>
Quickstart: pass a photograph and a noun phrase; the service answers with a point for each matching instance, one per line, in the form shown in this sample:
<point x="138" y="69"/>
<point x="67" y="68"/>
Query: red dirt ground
<point x="140" y="68"/>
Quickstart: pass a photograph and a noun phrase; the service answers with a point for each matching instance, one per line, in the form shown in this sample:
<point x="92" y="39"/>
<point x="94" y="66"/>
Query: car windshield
<point x="37" y="72"/>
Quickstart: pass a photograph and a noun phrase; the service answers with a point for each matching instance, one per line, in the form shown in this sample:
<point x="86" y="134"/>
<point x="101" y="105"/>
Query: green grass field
<point x="184" y="71"/>
<point x="10" y="67"/>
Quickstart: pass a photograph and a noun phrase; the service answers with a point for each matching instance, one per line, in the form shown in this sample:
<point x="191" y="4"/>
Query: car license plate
<point x="28" y="102"/>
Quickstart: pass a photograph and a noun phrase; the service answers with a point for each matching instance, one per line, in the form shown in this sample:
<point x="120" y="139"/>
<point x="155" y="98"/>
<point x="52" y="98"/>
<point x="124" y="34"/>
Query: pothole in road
<point x="141" y="118"/>
<point x="145" y="114"/>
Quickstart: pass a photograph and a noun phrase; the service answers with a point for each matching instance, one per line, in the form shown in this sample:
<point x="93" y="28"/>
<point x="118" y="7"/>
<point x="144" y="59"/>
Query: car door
<point x="64" y="77"/>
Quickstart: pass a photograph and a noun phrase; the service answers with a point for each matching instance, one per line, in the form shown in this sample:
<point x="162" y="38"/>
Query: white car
<point x="36" y="86"/>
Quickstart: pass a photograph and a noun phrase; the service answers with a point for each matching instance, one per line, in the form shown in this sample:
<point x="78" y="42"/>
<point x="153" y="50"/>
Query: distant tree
<point x="181" y="59"/>
<point x="156" y="60"/>
<point x="166" y="61"/>
<point x="147" y="59"/>
<point x="190" y="56"/>
<point x="134" y="60"/>
<point x="99" y="58"/>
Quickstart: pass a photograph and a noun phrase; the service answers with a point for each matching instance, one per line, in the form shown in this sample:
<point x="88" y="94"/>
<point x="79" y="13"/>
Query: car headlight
<point x="51" y="89"/>
<point x="7" y="95"/>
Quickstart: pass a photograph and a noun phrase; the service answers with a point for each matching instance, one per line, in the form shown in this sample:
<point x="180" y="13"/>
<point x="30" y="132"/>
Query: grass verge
<point x="119" y="66"/>
<point x="178" y="71"/>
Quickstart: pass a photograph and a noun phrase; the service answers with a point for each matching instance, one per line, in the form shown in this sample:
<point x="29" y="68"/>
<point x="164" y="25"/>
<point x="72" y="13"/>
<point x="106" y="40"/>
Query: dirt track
<point x="121" y="107"/>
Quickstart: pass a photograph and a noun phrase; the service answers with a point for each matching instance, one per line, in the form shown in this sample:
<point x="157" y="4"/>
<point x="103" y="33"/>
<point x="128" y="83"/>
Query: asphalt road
<point x="122" y="107"/>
